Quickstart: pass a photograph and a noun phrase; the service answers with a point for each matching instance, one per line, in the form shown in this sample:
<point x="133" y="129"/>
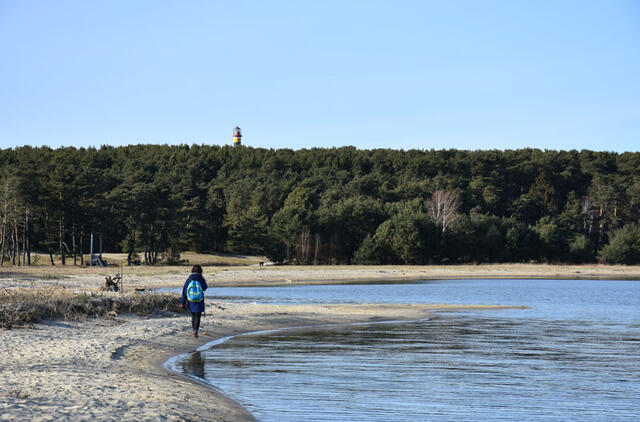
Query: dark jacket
<point x="193" y="306"/>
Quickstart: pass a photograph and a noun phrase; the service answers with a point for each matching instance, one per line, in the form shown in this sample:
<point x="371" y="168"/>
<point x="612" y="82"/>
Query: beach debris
<point x="18" y="393"/>
<point x="112" y="284"/>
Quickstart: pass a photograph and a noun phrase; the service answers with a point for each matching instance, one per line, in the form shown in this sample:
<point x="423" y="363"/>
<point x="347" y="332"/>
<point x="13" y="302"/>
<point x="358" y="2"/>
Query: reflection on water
<point x="193" y="365"/>
<point x="561" y="299"/>
<point x="450" y="368"/>
<point x="574" y="355"/>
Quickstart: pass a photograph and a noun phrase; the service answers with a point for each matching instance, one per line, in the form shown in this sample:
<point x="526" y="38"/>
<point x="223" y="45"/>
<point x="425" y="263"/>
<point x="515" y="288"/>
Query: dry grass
<point x="154" y="277"/>
<point x="193" y="258"/>
<point x="20" y="306"/>
<point x="188" y="258"/>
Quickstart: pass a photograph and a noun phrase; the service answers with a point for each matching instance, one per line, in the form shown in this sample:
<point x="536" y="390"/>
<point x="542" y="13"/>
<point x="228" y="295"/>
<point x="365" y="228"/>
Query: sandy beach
<point x="111" y="369"/>
<point x="166" y="277"/>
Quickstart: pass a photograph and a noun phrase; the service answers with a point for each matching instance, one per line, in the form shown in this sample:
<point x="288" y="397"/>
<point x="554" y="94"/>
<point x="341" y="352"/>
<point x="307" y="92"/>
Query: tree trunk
<point x="13" y="247"/>
<point x="3" y="243"/>
<point x="28" y="237"/>
<point x="61" y="239"/>
<point x="4" y="235"/>
<point x="29" y="248"/>
<point x="74" y="251"/>
<point x="82" y="247"/>
<point x="24" y="238"/>
<point x="315" y="255"/>
<point x="304" y="248"/>
<point x="48" y="233"/>
<point x="18" y="254"/>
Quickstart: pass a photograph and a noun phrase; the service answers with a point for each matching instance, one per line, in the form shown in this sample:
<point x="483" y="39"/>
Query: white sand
<point x="112" y="369"/>
<point x="157" y="277"/>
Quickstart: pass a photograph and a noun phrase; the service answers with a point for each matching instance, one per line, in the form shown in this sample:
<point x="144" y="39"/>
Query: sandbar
<point x="111" y="369"/>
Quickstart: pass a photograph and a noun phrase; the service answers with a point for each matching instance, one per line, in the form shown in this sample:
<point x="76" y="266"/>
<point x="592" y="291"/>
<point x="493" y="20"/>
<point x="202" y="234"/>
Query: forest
<point x="322" y="205"/>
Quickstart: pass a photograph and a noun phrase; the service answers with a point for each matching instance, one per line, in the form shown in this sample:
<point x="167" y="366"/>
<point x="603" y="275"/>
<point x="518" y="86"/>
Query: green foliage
<point x="408" y="237"/>
<point x="371" y="252"/>
<point x="521" y="242"/>
<point x="477" y="238"/>
<point x="553" y="239"/>
<point x="624" y="247"/>
<point x="581" y="249"/>
<point x="321" y="206"/>
<point x="247" y="230"/>
<point x="171" y="256"/>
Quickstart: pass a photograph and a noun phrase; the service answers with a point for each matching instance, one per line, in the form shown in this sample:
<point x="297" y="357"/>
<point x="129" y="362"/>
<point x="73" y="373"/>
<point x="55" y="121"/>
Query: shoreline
<point x="238" y="411"/>
<point x="171" y="363"/>
<point x="104" y="369"/>
<point x="372" y="316"/>
<point x="148" y="278"/>
<point x="112" y="368"/>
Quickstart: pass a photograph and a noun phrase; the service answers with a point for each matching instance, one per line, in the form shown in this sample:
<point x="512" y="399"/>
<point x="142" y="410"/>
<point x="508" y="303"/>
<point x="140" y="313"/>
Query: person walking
<point x="193" y="295"/>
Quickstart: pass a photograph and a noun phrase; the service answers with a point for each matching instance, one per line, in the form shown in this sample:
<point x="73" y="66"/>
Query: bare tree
<point x="589" y="211"/>
<point x="11" y="220"/>
<point x="304" y="248"/>
<point x="5" y="200"/>
<point x="603" y="193"/>
<point x="442" y="208"/>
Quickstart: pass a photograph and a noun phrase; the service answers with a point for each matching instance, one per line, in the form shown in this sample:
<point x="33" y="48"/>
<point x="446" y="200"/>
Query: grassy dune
<point x="73" y="292"/>
<point x="31" y="305"/>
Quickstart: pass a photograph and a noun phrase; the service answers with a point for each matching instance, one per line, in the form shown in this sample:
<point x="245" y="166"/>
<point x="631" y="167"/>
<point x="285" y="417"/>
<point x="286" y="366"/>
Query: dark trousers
<point x="195" y="320"/>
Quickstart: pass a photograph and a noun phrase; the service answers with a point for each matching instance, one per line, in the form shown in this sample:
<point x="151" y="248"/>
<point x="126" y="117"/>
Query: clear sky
<point x="554" y="74"/>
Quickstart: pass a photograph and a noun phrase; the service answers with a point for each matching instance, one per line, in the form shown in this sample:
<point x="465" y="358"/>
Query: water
<point x="573" y="355"/>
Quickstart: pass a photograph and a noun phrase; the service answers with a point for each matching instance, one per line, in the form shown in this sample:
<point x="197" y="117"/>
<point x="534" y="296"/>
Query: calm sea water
<point x="573" y="355"/>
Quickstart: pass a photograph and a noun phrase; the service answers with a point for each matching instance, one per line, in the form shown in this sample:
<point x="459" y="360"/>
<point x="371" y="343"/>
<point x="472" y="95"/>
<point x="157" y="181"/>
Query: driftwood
<point x="112" y="284"/>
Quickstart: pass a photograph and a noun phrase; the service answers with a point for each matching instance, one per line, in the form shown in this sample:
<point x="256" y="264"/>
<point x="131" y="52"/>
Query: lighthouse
<point x="237" y="137"/>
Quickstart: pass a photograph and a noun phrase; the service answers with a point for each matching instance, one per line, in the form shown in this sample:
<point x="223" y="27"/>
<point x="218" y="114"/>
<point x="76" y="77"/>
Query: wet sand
<point x="112" y="369"/>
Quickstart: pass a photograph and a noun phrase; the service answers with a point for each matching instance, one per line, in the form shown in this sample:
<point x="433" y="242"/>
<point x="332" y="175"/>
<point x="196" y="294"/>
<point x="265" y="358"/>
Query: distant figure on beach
<point x="193" y="295"/>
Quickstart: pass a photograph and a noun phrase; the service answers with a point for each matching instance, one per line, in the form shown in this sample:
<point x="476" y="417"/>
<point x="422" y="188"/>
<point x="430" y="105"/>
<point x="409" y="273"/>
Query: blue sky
<point x="301" y="74"/>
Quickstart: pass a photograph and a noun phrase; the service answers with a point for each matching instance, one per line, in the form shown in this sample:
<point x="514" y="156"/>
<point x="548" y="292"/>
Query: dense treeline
<point x="322" y="206"/>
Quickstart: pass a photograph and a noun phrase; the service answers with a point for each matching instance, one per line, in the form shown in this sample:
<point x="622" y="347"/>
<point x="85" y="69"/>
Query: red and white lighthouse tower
<point x="237" y="137"/>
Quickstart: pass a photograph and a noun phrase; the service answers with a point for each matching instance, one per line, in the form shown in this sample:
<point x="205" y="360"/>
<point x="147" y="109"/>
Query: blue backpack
<point x="194" y="291"/>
